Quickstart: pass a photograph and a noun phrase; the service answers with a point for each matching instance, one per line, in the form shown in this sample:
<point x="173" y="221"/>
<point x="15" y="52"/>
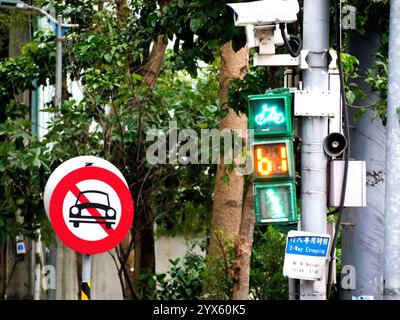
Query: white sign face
<point x="305" y="255"/>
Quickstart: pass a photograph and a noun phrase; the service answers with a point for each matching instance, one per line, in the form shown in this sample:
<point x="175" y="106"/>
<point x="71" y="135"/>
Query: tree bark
<point x="122" y="11"/>
<point x="228" y="197"/>
<point x="227" y="208"/>
<point x="156" y="60"/>
<point x="144" y="254"/>
<point x="243" y="246"/>
<point x="100" y="5"/>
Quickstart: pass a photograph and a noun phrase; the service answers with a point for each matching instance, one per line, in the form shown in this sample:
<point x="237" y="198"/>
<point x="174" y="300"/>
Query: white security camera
<point x="265" y="23"/>
<point x="267" y="12"/>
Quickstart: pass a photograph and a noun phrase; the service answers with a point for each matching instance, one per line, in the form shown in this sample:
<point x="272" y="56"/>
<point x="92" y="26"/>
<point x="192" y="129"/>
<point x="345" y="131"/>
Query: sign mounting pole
<point x="86" y="273"/>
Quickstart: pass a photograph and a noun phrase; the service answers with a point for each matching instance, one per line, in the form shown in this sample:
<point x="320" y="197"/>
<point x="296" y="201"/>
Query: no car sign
<point x="89" y="204"/>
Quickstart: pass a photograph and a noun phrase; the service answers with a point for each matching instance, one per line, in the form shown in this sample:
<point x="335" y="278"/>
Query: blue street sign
<point x="308" y="246"/>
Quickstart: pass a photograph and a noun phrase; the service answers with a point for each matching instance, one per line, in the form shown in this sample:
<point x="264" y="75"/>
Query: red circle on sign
<point x="56" y="210"/>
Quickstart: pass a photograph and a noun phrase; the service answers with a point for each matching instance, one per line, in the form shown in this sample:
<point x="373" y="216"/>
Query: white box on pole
<point x="356" y="184"/>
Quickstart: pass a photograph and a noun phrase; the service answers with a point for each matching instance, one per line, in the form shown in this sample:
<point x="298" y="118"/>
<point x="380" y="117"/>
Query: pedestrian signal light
<point x="273" y="159"/>
<point x="275" y="202"/>
<point x="270" y="114"/>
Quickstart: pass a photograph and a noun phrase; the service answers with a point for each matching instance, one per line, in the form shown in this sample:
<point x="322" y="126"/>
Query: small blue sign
<point x="308" y="246"/>
<point x="64" y="30"/>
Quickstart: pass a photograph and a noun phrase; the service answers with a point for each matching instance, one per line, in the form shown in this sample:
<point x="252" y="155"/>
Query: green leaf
<point x="108" y="57"/>
<point x="195" y="24"/>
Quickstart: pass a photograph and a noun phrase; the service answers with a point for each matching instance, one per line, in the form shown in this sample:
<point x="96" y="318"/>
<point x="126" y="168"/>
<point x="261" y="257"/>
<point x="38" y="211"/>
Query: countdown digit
<point x="264" y="165"/>
<point x="284" y="162"/>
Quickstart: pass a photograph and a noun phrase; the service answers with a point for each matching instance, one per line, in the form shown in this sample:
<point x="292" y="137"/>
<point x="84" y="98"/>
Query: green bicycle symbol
<point x="269" y="114"/>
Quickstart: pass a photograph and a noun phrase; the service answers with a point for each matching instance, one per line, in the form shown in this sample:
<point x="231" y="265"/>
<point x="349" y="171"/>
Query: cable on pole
<point x="294" y="44"/>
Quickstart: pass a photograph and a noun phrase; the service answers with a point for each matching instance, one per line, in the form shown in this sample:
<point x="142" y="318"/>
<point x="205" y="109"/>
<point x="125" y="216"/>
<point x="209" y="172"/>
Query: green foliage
<point x="218" y="274"/>
<point x="4" y="33"/>
<point x="372" y="16"/>
<point x="186" y="278"/>
<point x="180" y="96"/>
<point x="266" y="279"/>
<point x="377" y="78"/>
<point x="183" y="281"/>
<point x="23" y="173"/>
<point x="254" y="82"/>
<point x="200" y="27"/>
<point x="116" y="111"/>
<point x="350" y="68"/>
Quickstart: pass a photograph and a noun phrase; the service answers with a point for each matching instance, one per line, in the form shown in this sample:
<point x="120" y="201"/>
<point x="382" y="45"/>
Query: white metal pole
<point x="392" y="186"/>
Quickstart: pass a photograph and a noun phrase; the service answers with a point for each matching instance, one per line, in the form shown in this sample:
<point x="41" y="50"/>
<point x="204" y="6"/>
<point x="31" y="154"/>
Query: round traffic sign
<point x="89" y="204"/>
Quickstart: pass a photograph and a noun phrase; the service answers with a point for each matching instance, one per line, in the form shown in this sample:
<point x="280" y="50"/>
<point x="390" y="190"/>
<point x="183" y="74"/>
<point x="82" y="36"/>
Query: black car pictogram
<point x="108" y="214"/>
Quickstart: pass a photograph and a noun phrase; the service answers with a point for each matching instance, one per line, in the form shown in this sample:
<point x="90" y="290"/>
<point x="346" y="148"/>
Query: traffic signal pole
<point x="313" y="132"/>
<point x="392" y="196"/>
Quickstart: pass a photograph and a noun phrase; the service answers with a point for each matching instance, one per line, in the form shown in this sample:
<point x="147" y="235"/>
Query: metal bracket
<point x="303" y="61"/>
<point x="304" y="64"/>
<point x="275" y="60"/>
<point x="333" y="63"/>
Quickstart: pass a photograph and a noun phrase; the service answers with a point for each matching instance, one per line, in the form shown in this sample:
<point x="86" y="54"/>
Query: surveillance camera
<point x="265" y="24"/>
<point x="267" y="12"/>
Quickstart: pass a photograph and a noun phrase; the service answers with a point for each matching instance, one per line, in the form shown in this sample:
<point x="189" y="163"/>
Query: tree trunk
<point x="156" y="59"/>
<point x="144" y="243"/>
<point x="153" y="67"/>
<point x="143" y="237"/>
<point x="122" y="11"/>
<point x="227" y="208"/>
<point x="100" y="5"/>
<point x="243" y="246"/>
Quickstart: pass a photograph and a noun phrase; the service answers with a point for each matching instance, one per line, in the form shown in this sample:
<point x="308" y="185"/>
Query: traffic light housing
<point x="275" y="202"/>
<point x="273" y="158"/>
<point x="270" y="116"/>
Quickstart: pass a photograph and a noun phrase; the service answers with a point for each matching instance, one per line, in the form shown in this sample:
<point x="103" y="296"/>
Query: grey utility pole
<point x="362" y="224"/>
<point x="20" y="5"/>
<point x="59" y="63"/>
<point x="392" y="200"/>
<point x="314" y="130"/>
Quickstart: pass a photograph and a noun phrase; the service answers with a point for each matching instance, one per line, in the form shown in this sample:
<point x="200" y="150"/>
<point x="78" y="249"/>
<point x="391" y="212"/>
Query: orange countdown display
<point x="271" y="159"/>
